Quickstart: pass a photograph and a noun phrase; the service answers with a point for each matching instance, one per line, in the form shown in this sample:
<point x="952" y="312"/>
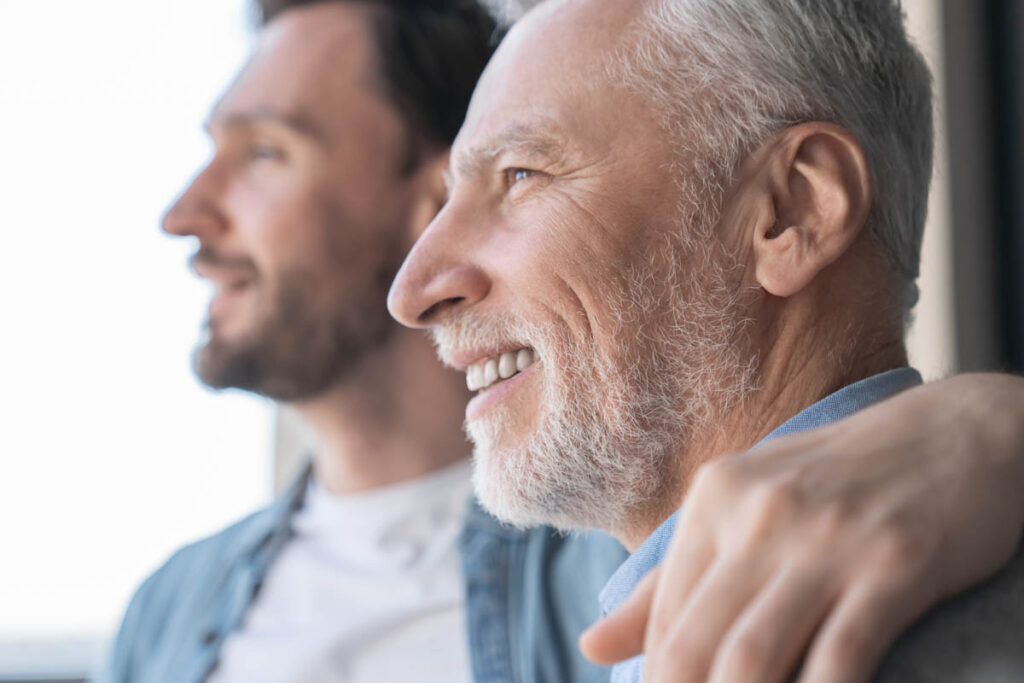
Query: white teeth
<point x="507" y="365"/>
<point x="490" y="372"/>
<point x="486" y="373"/>
<point x="475" y="377"/>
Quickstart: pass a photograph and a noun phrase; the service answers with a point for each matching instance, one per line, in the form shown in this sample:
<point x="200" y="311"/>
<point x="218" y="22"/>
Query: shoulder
<point x="590" y="549"/>
<point x="972" y="637"/>
<point x="542" y="550"/>
<point x="224" y="544"/>
<point x="185" y="585"/>
<point x="561" y="577"/>
<point x="205" y="560"/>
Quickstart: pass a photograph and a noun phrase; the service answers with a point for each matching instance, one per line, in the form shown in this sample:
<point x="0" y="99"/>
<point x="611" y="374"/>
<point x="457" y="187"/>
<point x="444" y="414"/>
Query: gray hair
<point x="730" y="73"/>
<point x="508" y="12"/>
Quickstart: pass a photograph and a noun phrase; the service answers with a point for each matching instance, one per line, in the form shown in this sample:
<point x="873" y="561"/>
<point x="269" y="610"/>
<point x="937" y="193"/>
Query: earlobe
<point x="820" y="188"/>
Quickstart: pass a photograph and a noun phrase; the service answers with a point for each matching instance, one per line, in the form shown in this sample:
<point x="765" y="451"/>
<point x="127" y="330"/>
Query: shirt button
<point x="210" y="637"/>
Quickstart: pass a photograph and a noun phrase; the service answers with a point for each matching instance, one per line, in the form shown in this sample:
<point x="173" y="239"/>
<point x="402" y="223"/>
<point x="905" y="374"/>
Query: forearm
<point x="919" y="498"/>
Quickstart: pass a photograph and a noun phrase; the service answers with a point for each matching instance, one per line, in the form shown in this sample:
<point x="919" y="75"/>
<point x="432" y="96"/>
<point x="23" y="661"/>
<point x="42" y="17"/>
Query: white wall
<point x="931" y="341"/>
<point x="113" y="455"/>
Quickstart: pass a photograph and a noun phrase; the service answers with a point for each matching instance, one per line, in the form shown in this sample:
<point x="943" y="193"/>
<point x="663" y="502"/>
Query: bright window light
<point x="114" y="455"/>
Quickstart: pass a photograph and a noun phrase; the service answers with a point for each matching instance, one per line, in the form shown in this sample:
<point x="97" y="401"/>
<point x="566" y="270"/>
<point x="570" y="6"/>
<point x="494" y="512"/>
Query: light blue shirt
<point x="832" y="408"/>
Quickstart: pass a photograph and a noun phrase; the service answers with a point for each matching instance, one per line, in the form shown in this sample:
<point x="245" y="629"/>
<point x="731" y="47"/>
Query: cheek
<point x="572" y="267"/>
<point x="275" y="222"/>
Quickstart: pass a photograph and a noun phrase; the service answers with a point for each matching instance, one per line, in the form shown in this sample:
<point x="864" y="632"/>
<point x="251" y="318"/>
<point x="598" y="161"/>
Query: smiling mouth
<point x="487" y="372"/>
<point x="230" y="287"/>
<point x="226" y="296"/>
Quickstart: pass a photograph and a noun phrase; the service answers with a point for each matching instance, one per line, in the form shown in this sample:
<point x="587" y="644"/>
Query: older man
<point x="699" y="223"/>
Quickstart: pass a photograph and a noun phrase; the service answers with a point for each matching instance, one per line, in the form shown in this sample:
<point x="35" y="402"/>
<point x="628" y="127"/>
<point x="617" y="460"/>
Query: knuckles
<point x="768" y="513"/>
<point x="897" y="553"/>
<point x="716" y="480"/>
<point x="774" y="501"/>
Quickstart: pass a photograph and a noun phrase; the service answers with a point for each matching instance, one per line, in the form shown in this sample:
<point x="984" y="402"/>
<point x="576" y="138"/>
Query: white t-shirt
<point x="369" y="590"/>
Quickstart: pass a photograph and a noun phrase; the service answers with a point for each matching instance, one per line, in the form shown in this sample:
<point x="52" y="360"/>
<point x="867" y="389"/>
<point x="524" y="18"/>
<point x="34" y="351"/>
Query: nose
<point x="437" y="280"/>
<point x="195" y="213"/>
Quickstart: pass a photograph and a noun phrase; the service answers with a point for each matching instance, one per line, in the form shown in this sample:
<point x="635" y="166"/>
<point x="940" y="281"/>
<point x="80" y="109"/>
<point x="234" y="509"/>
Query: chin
<point x="503" y="479"/>
<point x="572" y="473"/>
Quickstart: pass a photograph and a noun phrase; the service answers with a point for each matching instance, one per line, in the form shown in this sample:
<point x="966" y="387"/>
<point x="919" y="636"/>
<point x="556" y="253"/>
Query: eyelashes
<point x="263" y="153"/>
<point x="516" y="175"/>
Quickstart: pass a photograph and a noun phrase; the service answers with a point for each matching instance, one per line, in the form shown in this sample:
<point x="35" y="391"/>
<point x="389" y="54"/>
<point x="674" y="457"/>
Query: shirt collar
<point x="832" y="408"/>
<point x="270" y="526"/>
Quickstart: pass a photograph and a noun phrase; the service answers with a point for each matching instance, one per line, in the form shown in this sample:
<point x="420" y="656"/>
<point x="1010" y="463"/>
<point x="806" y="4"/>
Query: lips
<point x="486" y="372"/>
<point x="230" y="277"/>
<point x="230" y="286"/>
<point x="227" y="273"/>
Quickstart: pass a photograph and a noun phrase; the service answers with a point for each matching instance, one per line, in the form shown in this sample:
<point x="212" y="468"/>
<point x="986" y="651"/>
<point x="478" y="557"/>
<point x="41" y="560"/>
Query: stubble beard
<point x="296" y="351"/>
<point x="610" y="429"/>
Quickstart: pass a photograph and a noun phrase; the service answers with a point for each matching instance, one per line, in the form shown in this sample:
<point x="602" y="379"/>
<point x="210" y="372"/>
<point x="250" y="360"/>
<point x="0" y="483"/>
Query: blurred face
<point x="564" y="279"/>
<point x="303" y="214"/>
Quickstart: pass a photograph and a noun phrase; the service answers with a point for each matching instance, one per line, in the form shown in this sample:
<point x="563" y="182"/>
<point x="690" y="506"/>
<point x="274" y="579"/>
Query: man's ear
<point x="431" y="193"/>
<point x="820" y="189"/>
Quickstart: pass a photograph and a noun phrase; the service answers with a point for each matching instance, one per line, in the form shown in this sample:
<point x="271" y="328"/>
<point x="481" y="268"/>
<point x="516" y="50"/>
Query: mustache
<point x="206" y="256"/>
<point x="470" y="331"/>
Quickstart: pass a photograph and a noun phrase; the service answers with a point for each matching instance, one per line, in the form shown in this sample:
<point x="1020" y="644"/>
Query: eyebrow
<point x="520" y="137"/>
<point x="294" y="122"/>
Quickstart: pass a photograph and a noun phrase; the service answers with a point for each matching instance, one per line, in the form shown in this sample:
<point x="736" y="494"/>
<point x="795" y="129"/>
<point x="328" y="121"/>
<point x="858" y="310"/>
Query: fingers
<point x="861" y="627"/>
<point x="686" y="653"/>
<point x="690" y="555"/>
<point x="767" y="640"/>
<point x="620" y="635"/>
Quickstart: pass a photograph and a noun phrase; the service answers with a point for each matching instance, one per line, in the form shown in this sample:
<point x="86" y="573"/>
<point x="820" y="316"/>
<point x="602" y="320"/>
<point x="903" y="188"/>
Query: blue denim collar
<point x="269" y="528"/>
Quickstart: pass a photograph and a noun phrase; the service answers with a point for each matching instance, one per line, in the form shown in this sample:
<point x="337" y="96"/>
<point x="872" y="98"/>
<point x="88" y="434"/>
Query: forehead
<point x="550" y="78"/>
<point x="314" y="63"/>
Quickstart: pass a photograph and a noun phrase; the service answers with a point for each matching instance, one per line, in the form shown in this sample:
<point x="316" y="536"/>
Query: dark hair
<point x="430" y="54"/>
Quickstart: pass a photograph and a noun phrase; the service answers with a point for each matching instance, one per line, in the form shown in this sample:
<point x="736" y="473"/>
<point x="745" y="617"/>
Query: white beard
<point x="603" y="449"/>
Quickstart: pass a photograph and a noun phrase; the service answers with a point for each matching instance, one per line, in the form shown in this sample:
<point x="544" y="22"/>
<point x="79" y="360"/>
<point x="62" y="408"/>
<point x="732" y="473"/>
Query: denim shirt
<point x="529" y="594"/>
<point x="652" y="551"/>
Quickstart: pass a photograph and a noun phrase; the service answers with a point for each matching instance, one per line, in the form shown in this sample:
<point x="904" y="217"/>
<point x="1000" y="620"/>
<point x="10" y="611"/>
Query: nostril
<point x="425" y="317"/>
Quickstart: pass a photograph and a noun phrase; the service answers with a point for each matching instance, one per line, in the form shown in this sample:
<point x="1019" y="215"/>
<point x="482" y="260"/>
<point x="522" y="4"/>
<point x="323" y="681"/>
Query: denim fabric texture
<point x="530" y="593"/>
<point x="179" y="617"/>
<point x="650" y="553"/>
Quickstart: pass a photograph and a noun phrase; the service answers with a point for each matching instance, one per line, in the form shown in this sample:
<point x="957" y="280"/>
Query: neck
<point x="805" y="354"/>
<point x="395" y="417"/>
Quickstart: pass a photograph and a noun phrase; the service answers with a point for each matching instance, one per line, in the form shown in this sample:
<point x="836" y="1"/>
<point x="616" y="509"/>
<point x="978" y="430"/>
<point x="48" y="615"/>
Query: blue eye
<point x="514" y="175"/>
<point x="263" y="153"/>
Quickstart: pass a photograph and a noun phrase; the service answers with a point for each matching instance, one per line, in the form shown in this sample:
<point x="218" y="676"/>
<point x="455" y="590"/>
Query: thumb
<point x="620" y="635"/>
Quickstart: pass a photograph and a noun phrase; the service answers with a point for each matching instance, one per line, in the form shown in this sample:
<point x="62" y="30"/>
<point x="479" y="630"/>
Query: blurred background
<point x="115" y="455"/>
